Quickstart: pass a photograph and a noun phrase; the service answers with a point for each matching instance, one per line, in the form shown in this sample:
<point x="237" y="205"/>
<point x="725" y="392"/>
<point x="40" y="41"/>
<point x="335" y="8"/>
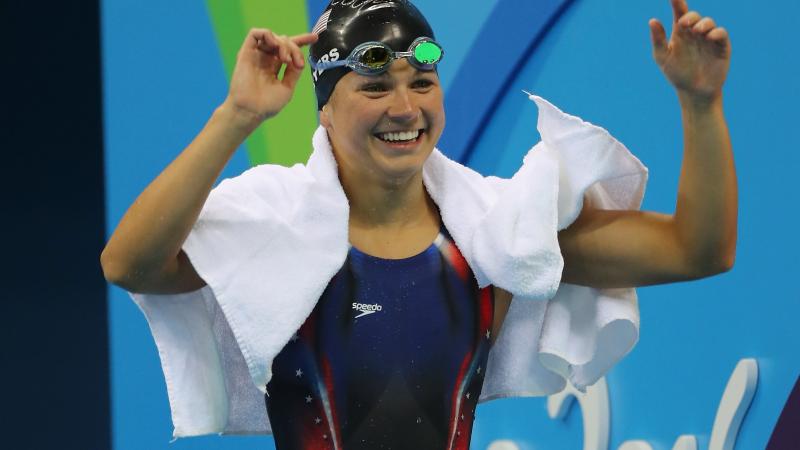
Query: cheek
<point x="434" y="103"/>
<point x="436" y="114"/>
<point x="362" y="118"/>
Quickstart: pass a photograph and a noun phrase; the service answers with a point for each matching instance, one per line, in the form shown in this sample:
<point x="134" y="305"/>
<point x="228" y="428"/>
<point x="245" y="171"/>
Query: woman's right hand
<point x="256" y="92"/>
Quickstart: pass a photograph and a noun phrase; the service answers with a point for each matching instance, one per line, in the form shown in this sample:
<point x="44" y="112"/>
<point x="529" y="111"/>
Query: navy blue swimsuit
<point x="392" y="357"/>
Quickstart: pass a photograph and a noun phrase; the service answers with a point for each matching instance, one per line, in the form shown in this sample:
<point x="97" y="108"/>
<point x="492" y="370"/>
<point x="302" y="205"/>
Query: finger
<point x="689" y="20"/>
<point x="305" y="39"/>
<point x="297" y="54"/>
<point x="267" y="42"/>
<point x="271" y="44"/>
<point x="274" y="46"/>
<point x="679" y="8"/>
<point x="264" y="39"/>
<point x="290" y="76"/>
<point x="719" y="35"/>
<point x="704" y="25"/>
<point x="286" y="51"/>
<point x="257" y="41"/>
<point x="659" y="38"/>
<point x="252" y="41"/>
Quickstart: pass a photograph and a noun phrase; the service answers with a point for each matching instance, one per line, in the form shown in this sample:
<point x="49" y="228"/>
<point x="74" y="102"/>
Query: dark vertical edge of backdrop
<point x="55" y="345"/>
<point x="786" y="435"/>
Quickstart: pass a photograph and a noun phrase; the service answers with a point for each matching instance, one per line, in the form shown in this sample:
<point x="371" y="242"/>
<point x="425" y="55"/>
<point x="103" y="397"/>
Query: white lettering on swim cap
<point x="333" y="55"/>
<point x="351" y="3"/>
<point x="358" y="4"/>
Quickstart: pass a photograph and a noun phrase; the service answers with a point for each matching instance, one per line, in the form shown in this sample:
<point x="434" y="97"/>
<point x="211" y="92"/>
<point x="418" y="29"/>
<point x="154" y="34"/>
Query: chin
<point x="402" y="163"/>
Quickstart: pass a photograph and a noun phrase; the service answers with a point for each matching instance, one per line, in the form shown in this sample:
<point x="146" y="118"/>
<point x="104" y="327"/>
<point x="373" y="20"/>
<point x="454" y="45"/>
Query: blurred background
<point x="101" y="95"/>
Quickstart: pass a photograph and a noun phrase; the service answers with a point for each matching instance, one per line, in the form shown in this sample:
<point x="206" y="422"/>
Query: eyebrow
<point x="386" y="75"/>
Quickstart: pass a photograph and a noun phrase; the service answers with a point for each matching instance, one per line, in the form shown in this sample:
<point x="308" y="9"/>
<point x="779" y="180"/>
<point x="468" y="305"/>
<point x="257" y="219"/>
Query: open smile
<point x="401" y="138"/>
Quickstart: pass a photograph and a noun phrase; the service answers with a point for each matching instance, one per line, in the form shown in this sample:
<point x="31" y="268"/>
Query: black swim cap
<point x="347" y="23"/>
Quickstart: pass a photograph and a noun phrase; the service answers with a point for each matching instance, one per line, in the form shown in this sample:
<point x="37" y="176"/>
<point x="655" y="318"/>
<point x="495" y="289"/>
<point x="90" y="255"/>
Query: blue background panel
<point x="163" y="76"/>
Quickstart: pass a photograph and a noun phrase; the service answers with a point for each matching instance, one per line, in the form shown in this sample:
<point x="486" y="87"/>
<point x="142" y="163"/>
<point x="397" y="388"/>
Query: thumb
<point x="659" y="38"/>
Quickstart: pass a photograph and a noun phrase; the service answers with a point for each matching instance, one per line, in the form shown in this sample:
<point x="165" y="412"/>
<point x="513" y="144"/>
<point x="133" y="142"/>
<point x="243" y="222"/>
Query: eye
<point x="374" y="87"/>
<point x="422" y="83"/>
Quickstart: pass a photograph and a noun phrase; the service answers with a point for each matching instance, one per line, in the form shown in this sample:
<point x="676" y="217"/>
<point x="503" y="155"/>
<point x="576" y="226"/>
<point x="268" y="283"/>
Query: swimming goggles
<point x="373" y="58"/>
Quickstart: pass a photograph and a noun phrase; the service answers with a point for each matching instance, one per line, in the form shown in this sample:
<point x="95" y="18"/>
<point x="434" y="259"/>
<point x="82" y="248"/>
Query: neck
<point x="392" y="203"/>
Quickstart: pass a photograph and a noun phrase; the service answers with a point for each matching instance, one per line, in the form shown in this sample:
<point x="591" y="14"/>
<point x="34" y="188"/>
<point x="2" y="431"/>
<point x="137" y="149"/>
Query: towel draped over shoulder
<point x="268" y="241"/>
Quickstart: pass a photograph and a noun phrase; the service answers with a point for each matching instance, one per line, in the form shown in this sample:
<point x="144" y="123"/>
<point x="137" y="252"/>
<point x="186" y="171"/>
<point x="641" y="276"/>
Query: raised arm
<point x="144" y="253"/>
<point x="635" y="248"/>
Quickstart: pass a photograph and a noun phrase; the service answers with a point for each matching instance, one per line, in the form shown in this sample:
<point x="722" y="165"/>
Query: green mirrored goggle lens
<point x="427" y="53"/>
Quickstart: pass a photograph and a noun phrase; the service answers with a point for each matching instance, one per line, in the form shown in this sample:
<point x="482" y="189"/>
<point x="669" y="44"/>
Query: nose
<point x="402" y="108"/>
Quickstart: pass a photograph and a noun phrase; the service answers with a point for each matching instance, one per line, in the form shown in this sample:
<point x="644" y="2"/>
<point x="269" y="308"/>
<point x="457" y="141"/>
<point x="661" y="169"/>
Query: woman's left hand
<point x="696" y="57"/>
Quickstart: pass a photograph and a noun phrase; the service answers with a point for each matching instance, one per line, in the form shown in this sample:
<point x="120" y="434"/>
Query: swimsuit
<point x="392" y="357"/>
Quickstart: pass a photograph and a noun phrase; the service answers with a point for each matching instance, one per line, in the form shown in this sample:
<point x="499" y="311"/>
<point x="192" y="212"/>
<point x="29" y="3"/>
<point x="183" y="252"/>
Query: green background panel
<point x="284" y="138"/>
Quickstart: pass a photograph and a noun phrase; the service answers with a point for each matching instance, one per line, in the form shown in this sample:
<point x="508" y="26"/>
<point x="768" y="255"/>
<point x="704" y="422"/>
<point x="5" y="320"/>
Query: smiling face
<point x="383" y="128"/>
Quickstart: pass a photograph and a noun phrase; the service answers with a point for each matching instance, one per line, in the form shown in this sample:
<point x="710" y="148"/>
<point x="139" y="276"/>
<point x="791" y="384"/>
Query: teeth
<point x="400" y="136"/>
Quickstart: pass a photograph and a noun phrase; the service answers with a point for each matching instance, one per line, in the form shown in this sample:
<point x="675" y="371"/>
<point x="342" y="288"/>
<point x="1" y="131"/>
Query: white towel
<point x="268" y="241"/>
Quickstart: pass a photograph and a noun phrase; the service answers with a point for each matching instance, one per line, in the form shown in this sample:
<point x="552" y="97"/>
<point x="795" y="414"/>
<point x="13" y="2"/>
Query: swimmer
<point x="344" y="379"/>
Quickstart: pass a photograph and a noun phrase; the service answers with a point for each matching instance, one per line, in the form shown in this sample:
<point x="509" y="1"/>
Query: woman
<point x="361" y="367"/>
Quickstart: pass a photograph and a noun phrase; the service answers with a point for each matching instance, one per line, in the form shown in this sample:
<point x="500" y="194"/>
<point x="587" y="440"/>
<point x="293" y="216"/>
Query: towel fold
<point x="268" y="241"/>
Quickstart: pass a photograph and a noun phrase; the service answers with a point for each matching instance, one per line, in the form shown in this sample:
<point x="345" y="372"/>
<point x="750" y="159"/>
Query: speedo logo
<point x="366" y="309"/>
